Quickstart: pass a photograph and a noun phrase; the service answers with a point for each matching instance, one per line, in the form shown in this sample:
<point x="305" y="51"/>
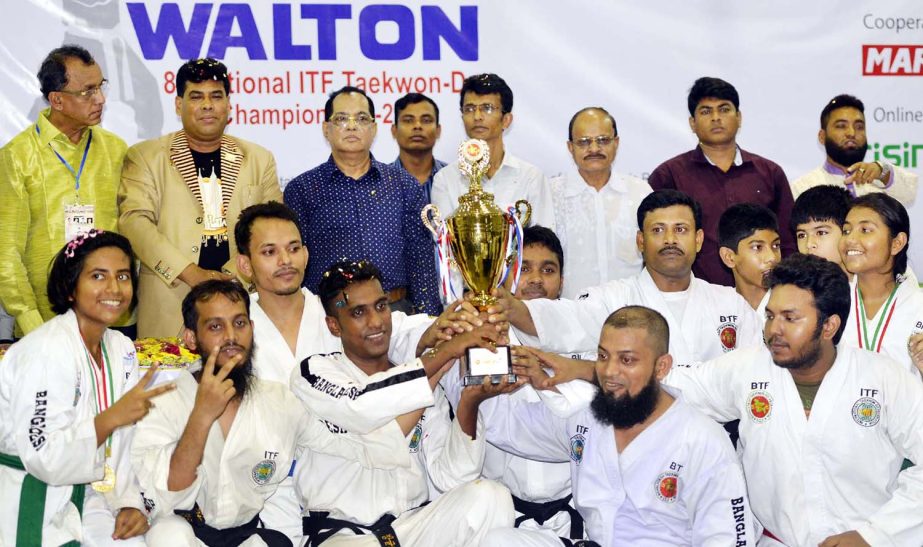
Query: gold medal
<point x="108" y="482"/>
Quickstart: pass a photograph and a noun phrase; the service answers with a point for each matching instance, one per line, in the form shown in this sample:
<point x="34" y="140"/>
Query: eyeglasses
<point x="342" y="120"/>
<point x="601" y="141"/>
<point x="90" y="92"/>
<point x="486" y="108"/>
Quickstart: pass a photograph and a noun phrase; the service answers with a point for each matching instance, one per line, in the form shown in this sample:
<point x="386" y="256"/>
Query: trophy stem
<point x="483" y="301"/>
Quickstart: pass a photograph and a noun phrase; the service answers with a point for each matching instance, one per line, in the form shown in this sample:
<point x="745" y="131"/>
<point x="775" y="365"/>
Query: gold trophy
<point x="477" y="238"/>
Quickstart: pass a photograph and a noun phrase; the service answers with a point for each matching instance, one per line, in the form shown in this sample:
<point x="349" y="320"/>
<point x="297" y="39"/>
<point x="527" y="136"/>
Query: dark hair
<point x="742" y="220"/>
<point x="487" y="84"/>
<point x="243" y="230"/>
<point x="52" y="74"/>
<point x="661" y="199"/>
<point x="68" y="263"/>
<point x="822" y="278"/>
<point x="204" y="291"/>
<point x="896" y="219"/>
<point x="570" y="126"/>
<point x="640" y="317"/>
<point x="202" y="70"/>
<point x="413" y="98"/>
<point x="328" y="106"/>
<point x="545" y="237"/>
<point x="340" y="275"/>
<point x="711" y="88"/>
<point x="840" y="101"/>
<point x="819" y="204"/>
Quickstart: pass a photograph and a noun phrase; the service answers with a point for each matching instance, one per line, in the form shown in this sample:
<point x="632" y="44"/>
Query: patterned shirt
<point x="428" y="185"/>
<point x="375" y="217"/>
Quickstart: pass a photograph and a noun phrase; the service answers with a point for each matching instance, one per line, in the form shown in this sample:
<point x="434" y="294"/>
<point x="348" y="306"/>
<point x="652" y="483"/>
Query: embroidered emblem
<point x="760" y="406"/>
<point x="866" y="412"/>
<point x="416" y="437"/>
<point x="727" y="333"/>
<point x="263" y="471"/>
<point x="583" y="296"/>
<point x="666" y="487"/>
<point x="577" y="442"/>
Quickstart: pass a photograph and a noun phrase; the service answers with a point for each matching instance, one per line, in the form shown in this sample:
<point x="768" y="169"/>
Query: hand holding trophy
<point x="483" y="241"/>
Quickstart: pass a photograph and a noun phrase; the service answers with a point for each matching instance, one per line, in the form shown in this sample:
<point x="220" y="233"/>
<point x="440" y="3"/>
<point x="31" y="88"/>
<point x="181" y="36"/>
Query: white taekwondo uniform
<point x="714" y="319"/>
<point x="239" y="472"/>
<point x="894" y="323"/>
<point x="273" y="360"/>
<point x="902" y="184"/>
<point x="333" y="387"/>
<point x="840" y="470"/>
<point x="678" y="483"/>
<point x="48" y="403"/>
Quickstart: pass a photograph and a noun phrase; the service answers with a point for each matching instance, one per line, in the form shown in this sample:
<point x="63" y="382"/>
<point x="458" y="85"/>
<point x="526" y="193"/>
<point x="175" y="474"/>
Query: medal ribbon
<point x="862" y="321"/>
<point x="77" y="174"/>
<point x="105" y="396"/>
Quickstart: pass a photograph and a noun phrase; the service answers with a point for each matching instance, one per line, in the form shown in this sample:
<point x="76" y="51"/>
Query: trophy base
<point x="485" y="366"/>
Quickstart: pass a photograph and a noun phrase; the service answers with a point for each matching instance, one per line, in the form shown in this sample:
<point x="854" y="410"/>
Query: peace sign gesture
<point x="133" y="405"/>
<point x="215" y="388"/>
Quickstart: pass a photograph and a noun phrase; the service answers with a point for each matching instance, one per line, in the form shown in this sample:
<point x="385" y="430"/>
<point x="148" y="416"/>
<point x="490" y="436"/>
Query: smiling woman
<point x="71" y="404"/>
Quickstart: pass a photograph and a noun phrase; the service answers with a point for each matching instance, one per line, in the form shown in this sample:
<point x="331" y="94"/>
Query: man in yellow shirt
<point x="58" y="178"/>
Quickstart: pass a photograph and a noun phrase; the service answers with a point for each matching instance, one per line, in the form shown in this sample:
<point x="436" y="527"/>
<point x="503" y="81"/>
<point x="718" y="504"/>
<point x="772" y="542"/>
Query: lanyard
<point x="83" y="160"/>
<point x="104" y="397"/>
<point x="862" y="322"/>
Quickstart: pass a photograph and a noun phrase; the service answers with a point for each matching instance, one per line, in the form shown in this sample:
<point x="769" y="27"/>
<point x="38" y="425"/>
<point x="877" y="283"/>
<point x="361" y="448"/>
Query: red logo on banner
<point x="892" y="60"/>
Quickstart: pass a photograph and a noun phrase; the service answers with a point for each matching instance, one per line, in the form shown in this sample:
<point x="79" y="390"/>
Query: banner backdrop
<point x="636" y="59"/>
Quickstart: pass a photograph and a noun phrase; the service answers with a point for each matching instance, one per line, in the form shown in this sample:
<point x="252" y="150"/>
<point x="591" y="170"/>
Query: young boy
<point x="817" y="220"/>
<point x="750" y="246"/>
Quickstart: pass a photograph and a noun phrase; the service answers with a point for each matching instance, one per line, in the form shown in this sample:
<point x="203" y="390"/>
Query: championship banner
<point x="637" y="60"/>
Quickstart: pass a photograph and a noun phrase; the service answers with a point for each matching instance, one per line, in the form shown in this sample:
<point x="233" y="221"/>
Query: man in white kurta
<point x="48" y="405"/>
<point x="632" y="465"/>
<point x="706" y="320"/>
<point x="346" y="504"/>
<point x="594" y="207"/>
<point x="823" y="465"/>
<point x="487" y="111"/>
<point x="843" y="135"/>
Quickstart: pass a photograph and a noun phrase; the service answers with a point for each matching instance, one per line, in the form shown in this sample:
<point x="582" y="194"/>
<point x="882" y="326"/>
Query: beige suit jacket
<point x="161" y="214"/>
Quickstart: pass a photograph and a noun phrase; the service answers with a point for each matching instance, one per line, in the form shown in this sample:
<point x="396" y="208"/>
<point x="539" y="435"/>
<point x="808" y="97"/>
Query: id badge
<point x="78" y="219"/>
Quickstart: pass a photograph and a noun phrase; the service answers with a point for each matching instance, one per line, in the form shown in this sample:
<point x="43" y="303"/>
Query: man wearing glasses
<point x="594" y="207"/>
<point x="180" y="194"/>
<point x="58" y="178"/>
<point x="487" y="110"/>
<point x="355" y="207"/>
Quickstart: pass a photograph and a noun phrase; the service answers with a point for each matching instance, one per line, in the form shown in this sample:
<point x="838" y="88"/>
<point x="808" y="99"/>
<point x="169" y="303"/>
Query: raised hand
<point x="215" y="388"/>
<point x="133" y="405"/>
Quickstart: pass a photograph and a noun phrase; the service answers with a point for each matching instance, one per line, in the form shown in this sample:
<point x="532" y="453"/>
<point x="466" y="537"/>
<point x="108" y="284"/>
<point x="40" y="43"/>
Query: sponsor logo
<point x="727" y="333"/>
<point x="416" y="437"/>
<point x="419" y="30"/>
<point x="263" y="472"/>
<point x="892" y="60"/>
<point x="759" y="405"/>
<point x="577" y="444"/>
<point x="666" y="487"/>
<point x="866" y="412"/>
<point x="902" y="155"/>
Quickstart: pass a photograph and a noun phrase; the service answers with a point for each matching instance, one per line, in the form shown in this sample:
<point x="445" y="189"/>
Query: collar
<point x="48" y="132"/>
<point x="833" y="169"/>
<point x="509" y="162"/>
<point x="738" y="157"/>
<point x="332" y="166"/>
<point x="437" y="165"/>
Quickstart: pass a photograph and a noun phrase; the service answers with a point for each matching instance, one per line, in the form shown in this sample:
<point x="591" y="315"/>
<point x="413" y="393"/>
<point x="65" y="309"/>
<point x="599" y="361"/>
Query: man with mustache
<point x="487" y="111"/>
<point x="824" y="428"/>
<point x="842" y="133"/>
<point x="208" y="456"/>
<point x="58" y="178"/>
<point x="416" y="129"/>
<point x="638" y="455"/>
<point x="706" y="320"/>
<point x="593" y="207"/>
<point x="180" y="194"/>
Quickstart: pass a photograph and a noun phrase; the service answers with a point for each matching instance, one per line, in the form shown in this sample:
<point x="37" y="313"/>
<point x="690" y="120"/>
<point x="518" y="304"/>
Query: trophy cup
<point x="478" y="238"/>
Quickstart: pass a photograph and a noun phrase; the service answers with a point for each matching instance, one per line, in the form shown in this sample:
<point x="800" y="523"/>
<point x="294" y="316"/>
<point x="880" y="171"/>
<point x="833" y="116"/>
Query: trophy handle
<point x="524" y="216"/>
<point x="432" y="219"/>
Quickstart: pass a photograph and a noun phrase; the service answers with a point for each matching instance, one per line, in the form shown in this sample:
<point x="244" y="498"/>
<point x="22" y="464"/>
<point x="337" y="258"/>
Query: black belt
<point x="541" y="512"/>
<point x="319" y="527"/>
<point x="231" y="537"/>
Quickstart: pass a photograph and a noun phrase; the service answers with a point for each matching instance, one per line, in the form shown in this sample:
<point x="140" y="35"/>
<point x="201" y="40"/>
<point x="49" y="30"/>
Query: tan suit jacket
<point x="160" y="212"/>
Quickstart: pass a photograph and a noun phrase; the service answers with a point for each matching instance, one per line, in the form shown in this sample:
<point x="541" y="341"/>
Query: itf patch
<point x="577" y="444"/>
<point x="866" y="412"/>
<point x="263" y="472"/>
